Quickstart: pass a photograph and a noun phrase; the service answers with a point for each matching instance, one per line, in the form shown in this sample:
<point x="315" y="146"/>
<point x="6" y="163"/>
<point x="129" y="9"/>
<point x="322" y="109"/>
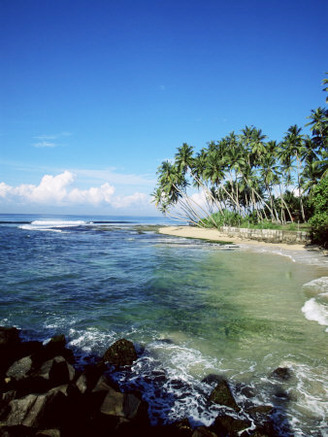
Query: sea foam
<point x="316" y="309"/>
<point x="52" y="225"/>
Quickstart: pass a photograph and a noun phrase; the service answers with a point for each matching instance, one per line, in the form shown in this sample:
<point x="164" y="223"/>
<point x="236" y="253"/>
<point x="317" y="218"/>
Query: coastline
<point x="211" y="234"/>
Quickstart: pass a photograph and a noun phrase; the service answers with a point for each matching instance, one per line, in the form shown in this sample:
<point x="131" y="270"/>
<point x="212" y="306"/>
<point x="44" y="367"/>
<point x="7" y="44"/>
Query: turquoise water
<point x="192" y="308"/>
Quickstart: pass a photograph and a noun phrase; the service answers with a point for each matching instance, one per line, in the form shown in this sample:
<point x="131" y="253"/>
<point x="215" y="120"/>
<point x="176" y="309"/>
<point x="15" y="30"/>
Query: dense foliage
<point x="246" y="178"/>
<point x="319" y="220"/>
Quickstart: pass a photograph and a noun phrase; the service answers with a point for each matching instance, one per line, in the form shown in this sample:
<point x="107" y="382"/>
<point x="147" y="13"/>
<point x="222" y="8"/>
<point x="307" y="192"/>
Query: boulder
<point x="56" y="370"/>
<point x="229" y="426"/>
<point x="27" y="411"/>
<point x="20" y="369"/>
<point x="222" y="395"/>
<point x="8" y="337"/>
<point x="282" y="373"/>
<point x="202" y="431"/>
<point x="89" y="377"/>
<point x="124" y="405"/>
<point x="121" y="353"/>
<point x="48" y="433"/>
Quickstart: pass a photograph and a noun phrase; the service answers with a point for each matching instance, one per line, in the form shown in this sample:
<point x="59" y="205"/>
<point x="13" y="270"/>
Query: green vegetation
<point x="245" y="180"/>
<point x="319" y="220"/>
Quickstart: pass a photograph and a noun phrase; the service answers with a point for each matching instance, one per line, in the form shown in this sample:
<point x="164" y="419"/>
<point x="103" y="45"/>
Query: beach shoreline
<point x="212" y="234"/>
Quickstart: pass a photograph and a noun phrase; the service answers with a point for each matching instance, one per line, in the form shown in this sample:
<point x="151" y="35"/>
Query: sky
<point x="95" y="94"/>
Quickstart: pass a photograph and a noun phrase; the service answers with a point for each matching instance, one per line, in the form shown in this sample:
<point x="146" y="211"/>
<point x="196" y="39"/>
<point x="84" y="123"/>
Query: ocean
<point x="192" y="308"/>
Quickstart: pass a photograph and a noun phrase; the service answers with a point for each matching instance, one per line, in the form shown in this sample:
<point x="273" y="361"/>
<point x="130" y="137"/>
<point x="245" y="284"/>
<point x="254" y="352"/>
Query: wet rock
<point x="89" y="377"/>
<point x="212" y="378"/>
<point x="20" y="369"/>
<point x="261" y="413"/>
<point x="121" y="353"/>
<point x="55" y="347"/>
<point x="222" y="395"/>
<point x="48" y="433"/>
<point x="16" y="431"/>
<point x="124" y="405"/>
<point x="229" y="426"/>
<point x="202" y="431"/>
<point x="282" y="373"/>
<point x="182" y="428"/>
<point x="56" y="370"/>
<point x="8" y="337"/>
<point x="29" y="411"/>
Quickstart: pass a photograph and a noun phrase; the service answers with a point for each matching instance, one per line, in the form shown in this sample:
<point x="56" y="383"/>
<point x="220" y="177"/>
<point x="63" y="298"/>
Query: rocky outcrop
<point x="121" y="353"/>
<point x="43" y="394"/>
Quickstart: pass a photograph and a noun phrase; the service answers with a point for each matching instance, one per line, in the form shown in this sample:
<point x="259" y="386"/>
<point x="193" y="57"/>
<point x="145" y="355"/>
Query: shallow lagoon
<point x="193" y="308"/>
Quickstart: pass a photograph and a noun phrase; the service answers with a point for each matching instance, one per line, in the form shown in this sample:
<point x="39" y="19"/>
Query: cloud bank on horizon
<point x="59" y="190"/>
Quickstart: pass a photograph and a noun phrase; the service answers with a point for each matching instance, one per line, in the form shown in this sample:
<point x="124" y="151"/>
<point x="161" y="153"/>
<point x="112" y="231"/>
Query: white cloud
<point x="137" y="199"/>
<point x="60" y="190"/>
<point x="44" y="144"/>
<point x="48" y="140"/>
<point x="115" y="177"/>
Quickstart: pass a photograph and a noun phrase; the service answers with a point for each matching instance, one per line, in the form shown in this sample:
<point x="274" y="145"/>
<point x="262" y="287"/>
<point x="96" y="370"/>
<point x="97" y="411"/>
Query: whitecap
<point x="317" y="286"/>
<point x="316" y="312"/>
<point x="52" y="225"/>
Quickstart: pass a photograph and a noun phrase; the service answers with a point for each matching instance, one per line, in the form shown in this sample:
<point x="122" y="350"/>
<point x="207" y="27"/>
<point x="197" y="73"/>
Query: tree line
<point x="245" y="175"/>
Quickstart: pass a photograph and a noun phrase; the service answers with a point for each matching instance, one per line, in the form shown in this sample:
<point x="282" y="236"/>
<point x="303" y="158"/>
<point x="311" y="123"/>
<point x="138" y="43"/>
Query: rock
<point x="48" y="433"/>
<point x="261" y="414"/>
<point x="27" y="411"/>
<point x="202" y="431"/>
<point x="103" y="384"/>
<point x="182" y="428"/>
<point x="9" y="342"/>
<point x="56" y="370"/>
<point x="8" y="337"/>
<point x="20" y="369"/>
<point x="125" y="405"/>
<point x="222" y="395"/>
<point x="121" y="353"/>
<point x="282" y="373"/>
<point x="16" y="431"/>
<point x="88" y="379"/>
<point x="229" y="426"/>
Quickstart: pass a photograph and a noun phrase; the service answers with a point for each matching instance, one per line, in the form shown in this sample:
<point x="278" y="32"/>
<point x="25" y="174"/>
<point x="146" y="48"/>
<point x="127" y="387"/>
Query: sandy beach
<point x="215" y="235"/>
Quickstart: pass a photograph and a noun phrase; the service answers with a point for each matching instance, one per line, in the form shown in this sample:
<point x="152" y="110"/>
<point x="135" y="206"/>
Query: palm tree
<point x="184" y="158"/>
<point x="293" y="143"/>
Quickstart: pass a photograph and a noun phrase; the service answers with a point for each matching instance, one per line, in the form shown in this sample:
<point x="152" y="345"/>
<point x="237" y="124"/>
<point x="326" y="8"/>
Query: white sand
<point x="215" y="235"/>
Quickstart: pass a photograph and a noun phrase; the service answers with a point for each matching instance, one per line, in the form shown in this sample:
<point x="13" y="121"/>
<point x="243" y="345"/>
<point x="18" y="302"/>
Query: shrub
<point x="319" y="221"/>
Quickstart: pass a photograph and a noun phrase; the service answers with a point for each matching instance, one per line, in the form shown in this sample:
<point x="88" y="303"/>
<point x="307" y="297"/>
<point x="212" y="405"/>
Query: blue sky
<point x="95" y="94"/>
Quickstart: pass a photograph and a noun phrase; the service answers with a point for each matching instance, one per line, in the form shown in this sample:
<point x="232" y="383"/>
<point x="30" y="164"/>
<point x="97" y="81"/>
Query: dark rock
<point x="30" y="411"/>
<point x="56" y="370"/>
<point x="9" y="342"/>
<point x="222" y="395"/>
<point x="124" y="405"/>
<point x="282" y="373"/>
<point x="212" y="378"/>
<point x="9" y="337"/>
<point x="20" y="369"/>
<point x="48" y="433"/>
<point x="182" y="428"/>
<point x="121" y="353"/>
<point x="55" y="347"/>
<point x="229" y="426"/>
<point x="202" y="431"/>
<point x="261" y="414"/>
<point x="103" y="385"/>
<point x="89" y="377"/>
<point x="16" y="431"/>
